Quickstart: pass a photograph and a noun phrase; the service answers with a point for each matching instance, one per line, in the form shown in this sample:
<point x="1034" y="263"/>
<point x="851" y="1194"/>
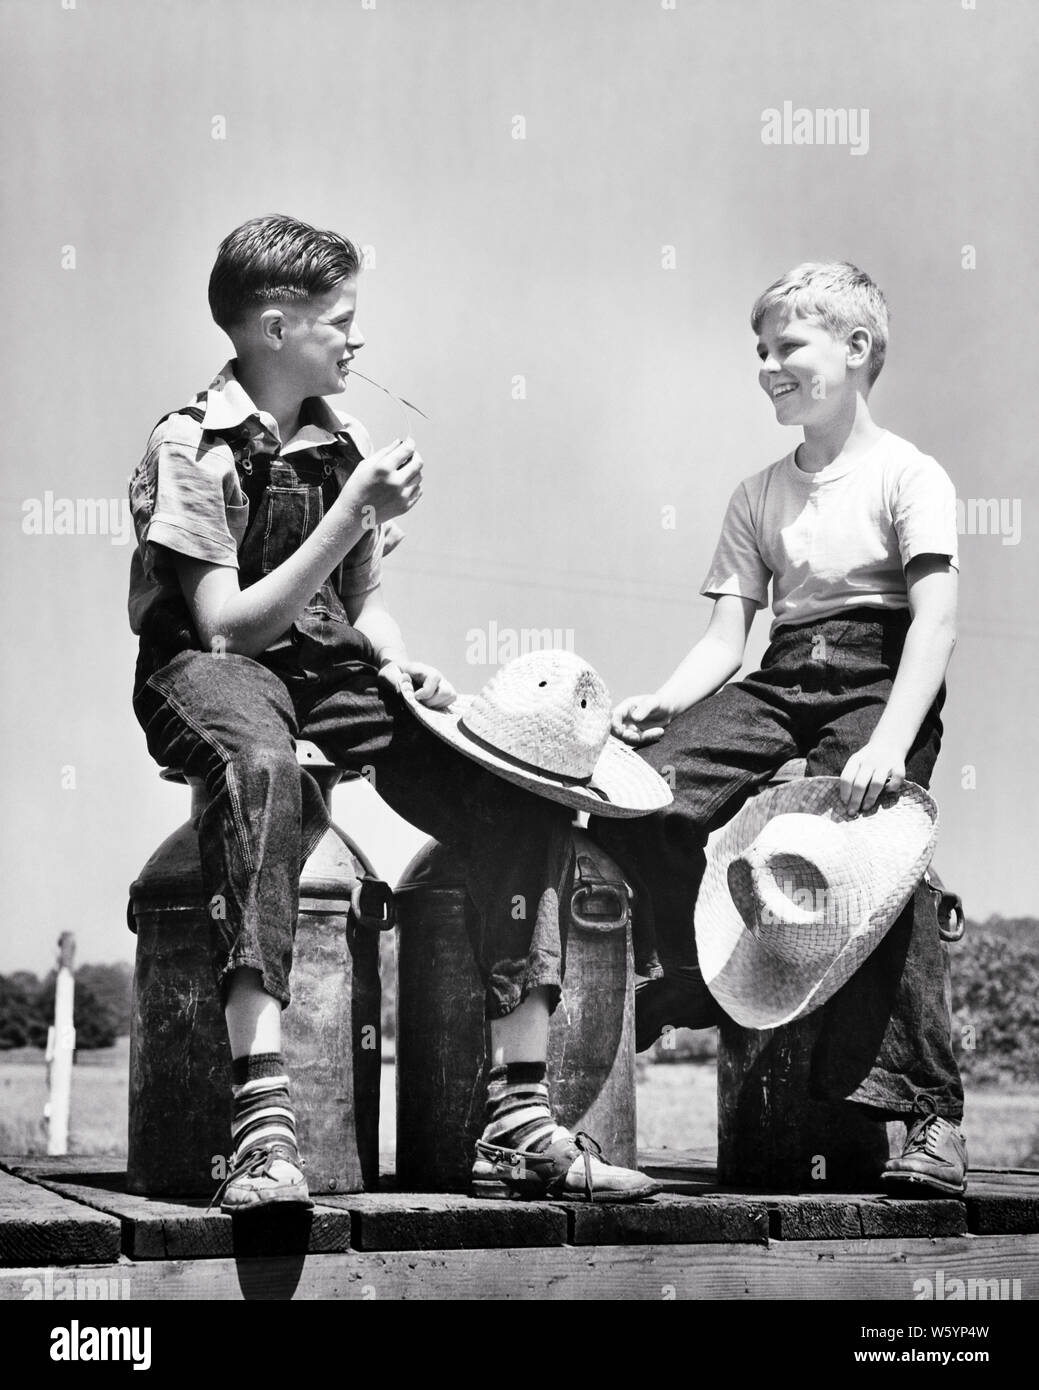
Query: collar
<point x="838" y="469"/>
<point x="229" y="405"/>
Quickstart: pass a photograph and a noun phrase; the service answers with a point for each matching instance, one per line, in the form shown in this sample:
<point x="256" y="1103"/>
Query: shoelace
<point x="927" y="1135"/>
<point x="928" y="1130"/>
<point x="589" y="1148"/>
<point x="255" y="1163"/>
<point x="586" y="1146"/>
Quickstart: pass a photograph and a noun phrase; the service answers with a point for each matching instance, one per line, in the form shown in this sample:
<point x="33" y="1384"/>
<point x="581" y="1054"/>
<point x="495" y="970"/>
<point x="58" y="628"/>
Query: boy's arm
<point x="932" y="586"/>
<point x="715" y="658"/>
<point x="369" y="614"/>
<point x="248" y="620"/>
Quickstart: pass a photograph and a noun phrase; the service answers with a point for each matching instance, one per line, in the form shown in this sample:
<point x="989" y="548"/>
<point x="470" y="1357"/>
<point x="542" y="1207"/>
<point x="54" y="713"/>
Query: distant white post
<point x="61" y="1044"/>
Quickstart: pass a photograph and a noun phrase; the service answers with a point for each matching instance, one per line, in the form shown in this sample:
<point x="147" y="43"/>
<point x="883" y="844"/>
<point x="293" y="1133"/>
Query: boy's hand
<point x="872" y="770"/>
<point x="640" y="719"/>
<point x="430" y="687"/>
<point x="389" y="482"/>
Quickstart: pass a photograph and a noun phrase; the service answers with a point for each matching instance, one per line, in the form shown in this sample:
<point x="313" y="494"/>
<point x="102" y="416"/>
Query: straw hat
<point x="797" y="893"/>
<point x="543" y="722"/>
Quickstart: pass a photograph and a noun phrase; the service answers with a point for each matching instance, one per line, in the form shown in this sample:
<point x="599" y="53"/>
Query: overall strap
<point x="193" y="412"/>
<point x="252" y="478"/>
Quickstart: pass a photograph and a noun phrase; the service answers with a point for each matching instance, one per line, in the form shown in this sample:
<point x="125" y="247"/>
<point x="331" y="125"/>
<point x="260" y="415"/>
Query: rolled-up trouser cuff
<point x="510" y="982"/>
<point x="273" y="984"/>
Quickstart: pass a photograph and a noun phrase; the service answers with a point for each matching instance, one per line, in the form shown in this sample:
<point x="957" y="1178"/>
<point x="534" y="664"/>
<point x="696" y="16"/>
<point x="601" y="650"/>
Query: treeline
<point x="101" y="1011"/>
<point x="995" y="992"/>
<point x="995" y="1005"/>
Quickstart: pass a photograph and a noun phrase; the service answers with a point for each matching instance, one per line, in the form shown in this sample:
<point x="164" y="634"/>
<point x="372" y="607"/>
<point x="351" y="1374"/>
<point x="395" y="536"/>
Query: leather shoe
<point x="261" y="1176"/>
<point x="934" y="1156"/>
<point x="572" y="1169"/>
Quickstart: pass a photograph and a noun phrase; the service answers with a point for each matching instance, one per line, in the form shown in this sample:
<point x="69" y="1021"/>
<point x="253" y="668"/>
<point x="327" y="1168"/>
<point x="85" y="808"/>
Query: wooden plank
<point x="692" y="1172"/>
<point x="98" y="1169"/>
<point x="995" y="1211"/>
<point x="669" y="1220"/>
<point x="820" y="1216"/>
<point x="888" y="1216"/>
<point x="1023" y="1180"/>
<point x="697" y="1164"/>
<point x="405" y="1221"/>
<point x="183" y="1229"/>
<point x="829" y="1270"/>
<point x="1002" y="1202"/>
<point x="690" y="1211"/>
<point x="40" y="1227"/>
<point x="813" y="1218"/>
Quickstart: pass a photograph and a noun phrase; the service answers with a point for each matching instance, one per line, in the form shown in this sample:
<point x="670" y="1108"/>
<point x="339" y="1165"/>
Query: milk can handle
<point x="600" y="922"/>
<point x="373" y="904"/>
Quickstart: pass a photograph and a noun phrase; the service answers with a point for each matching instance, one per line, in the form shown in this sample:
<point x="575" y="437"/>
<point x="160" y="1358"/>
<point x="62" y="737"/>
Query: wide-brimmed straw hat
<point x="797" y="893"/>
<point x="543" y="722"/>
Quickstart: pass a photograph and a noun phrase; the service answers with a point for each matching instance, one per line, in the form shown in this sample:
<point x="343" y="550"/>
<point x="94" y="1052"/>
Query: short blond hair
<point x="839" y="295"/>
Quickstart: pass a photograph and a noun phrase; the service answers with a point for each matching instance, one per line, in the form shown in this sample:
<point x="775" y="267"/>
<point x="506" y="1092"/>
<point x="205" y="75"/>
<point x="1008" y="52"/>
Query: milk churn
<point x="180" y="1063"/>
<point x="771" y="1131"/>
<point x="441" y="1033"/>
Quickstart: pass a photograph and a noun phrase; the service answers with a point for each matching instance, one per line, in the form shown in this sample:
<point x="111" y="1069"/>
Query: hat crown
<point x="548" y="709"/>
<point x="764" y="979"/>
<point x="797" y="889"/>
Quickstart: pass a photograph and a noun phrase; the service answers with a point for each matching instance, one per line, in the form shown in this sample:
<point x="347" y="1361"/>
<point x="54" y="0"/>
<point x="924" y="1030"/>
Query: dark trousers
<point x="822" y="687"/>
<point x="233" y="722"/>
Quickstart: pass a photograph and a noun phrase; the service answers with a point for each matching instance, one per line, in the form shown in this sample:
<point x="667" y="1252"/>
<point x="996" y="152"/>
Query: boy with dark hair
<point x="262" y="519"/>
<point x="856" y="531"/>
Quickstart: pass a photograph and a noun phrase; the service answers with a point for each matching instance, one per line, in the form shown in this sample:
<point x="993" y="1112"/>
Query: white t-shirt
<point x="837" y="539"/>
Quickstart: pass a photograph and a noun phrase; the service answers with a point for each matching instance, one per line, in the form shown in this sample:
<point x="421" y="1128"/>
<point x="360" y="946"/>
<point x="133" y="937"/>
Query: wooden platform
<point x="68" y="1229"/>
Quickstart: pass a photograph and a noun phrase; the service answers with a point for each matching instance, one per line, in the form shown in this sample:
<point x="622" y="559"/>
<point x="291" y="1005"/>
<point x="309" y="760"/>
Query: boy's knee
<point x="265" y="764"/>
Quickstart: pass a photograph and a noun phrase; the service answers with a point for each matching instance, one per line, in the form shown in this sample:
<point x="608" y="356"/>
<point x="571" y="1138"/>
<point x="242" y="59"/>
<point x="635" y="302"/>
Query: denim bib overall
<point x="233" y="720"/>
<point x="296" y="492"/>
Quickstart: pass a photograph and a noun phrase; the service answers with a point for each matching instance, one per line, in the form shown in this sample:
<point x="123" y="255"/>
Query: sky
<point x="567" y="209"/>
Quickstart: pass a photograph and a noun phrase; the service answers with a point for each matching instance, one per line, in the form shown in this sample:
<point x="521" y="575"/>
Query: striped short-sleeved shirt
<point x="186" y="494"/>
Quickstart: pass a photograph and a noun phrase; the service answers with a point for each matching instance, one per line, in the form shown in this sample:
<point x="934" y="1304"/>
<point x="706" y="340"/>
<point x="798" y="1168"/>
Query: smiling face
<point x="805" y="371"/>
<point x="320" y="339"/>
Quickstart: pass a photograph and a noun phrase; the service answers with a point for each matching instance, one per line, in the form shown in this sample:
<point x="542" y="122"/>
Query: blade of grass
<point x="393" y="397"/>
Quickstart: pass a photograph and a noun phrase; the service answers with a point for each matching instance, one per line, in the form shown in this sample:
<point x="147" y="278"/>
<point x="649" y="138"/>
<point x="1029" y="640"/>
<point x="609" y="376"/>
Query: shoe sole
<point x="499" y="1191"/>
<point x="267" y="1199"/>
<point x="918" y="1180"/>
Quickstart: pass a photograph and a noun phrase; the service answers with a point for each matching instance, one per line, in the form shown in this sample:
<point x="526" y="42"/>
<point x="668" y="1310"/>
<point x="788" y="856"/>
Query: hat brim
<point x="752" y="985"/>
<point x="622" y="785"/>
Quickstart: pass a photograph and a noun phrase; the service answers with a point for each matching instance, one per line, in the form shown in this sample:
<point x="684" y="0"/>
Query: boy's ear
<point x="860" y="345"/>
<point x="272" y="325"/>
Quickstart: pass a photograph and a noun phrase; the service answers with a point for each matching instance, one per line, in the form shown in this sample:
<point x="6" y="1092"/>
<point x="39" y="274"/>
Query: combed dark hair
<point x="839" y="294"/>
<point x="276" y="259"/>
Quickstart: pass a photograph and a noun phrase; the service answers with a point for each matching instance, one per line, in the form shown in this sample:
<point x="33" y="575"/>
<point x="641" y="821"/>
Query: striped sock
<point x="263" y="1112"/>
<point x="518" y="1114"/>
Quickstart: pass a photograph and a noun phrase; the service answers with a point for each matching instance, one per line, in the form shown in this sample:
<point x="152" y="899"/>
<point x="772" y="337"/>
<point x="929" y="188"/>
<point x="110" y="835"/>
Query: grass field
<point x="676" y="1109"/>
